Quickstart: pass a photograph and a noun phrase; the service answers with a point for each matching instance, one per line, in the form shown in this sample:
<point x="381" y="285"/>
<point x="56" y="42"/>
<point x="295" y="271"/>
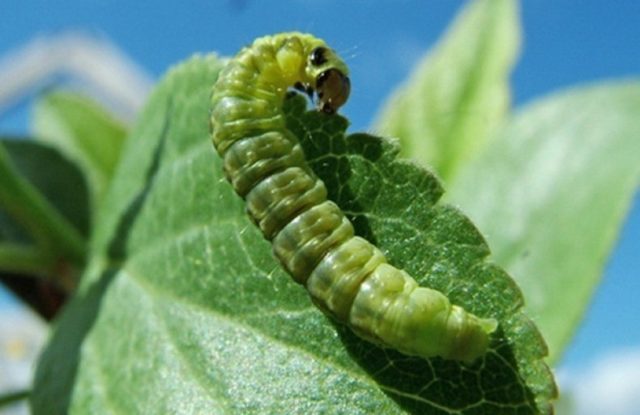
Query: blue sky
<point x="565" y="43"/>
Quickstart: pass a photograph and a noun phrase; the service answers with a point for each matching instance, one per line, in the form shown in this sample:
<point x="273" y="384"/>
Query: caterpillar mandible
<point x="347" y="277"/>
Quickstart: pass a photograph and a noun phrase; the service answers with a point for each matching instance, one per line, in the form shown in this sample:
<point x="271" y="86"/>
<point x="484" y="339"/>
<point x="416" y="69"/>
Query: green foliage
<point x="50" y="189"/>
<point x="182" y="308"/>
<point x="552" y="192"/>
<point x="44" y="217"/>
<point x="84" y="132"/>
<point x="550" y="186"/>
<point x="459" y="94"/>
<point x="190" y="288"/>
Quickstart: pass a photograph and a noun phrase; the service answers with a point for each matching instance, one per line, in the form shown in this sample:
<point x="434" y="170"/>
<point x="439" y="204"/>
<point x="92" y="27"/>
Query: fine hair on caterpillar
<point x="346" y="276"/>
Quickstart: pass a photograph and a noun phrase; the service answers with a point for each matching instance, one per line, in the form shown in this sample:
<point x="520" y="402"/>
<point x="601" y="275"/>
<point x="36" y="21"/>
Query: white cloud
<point x="611" y="385"/>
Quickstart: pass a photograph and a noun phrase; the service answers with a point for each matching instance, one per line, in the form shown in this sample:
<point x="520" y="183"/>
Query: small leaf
<point x="43" y="200"/>
<point x="59" y="181"/>
<point x="184" y="309"/>
<point x="552" y="192"/>
<point x="459" y="93"/>
<point x="83" y="131"/>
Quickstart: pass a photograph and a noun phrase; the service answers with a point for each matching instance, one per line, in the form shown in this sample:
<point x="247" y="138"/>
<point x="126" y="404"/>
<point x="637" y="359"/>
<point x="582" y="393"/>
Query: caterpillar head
<point x="328" y="77"/>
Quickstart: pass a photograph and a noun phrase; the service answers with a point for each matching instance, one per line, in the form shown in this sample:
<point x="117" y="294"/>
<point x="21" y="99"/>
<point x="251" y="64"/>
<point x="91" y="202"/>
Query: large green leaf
<point x="83" y="131"/>
<point x="184" y="310"/>
<point x="459" y="94"/>
<point x="552" y="192"/>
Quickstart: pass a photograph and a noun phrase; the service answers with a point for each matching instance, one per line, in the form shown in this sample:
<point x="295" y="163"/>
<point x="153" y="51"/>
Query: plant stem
<point x="13" y="397"/>
<point x="43" y="222"/>
<point x="24" y="259"/>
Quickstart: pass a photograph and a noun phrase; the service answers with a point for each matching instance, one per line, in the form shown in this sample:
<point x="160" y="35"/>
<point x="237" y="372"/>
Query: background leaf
<point x="183" y="308"/>
<point x="31" y="245"/>
<point x="459" y="94"/>
<point x="83" y="131"/>
<point x="43" y="206"/>
<point x="551" y="193"/>
<point x="59" y="181"/>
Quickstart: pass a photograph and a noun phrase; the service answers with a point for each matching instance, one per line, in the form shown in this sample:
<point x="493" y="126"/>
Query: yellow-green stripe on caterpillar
<point x="346" y="276"/>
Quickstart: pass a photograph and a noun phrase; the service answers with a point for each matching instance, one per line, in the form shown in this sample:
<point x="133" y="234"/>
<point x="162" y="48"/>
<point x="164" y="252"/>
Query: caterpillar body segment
<point x="346" y="276"/>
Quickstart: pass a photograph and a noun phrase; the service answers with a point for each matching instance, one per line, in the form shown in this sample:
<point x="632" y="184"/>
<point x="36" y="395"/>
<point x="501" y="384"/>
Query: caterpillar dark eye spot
<point x="348" y="277"/>
<point x="318" y="56"/>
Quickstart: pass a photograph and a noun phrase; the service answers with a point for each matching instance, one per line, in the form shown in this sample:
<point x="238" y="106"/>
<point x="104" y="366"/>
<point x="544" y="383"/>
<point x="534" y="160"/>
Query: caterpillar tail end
<point x="489" y="325"/>
<point x="473" y="342"/>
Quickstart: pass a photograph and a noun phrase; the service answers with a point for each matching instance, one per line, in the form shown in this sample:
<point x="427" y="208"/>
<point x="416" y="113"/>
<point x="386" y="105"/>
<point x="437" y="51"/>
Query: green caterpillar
<point x="347" y="277"/>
